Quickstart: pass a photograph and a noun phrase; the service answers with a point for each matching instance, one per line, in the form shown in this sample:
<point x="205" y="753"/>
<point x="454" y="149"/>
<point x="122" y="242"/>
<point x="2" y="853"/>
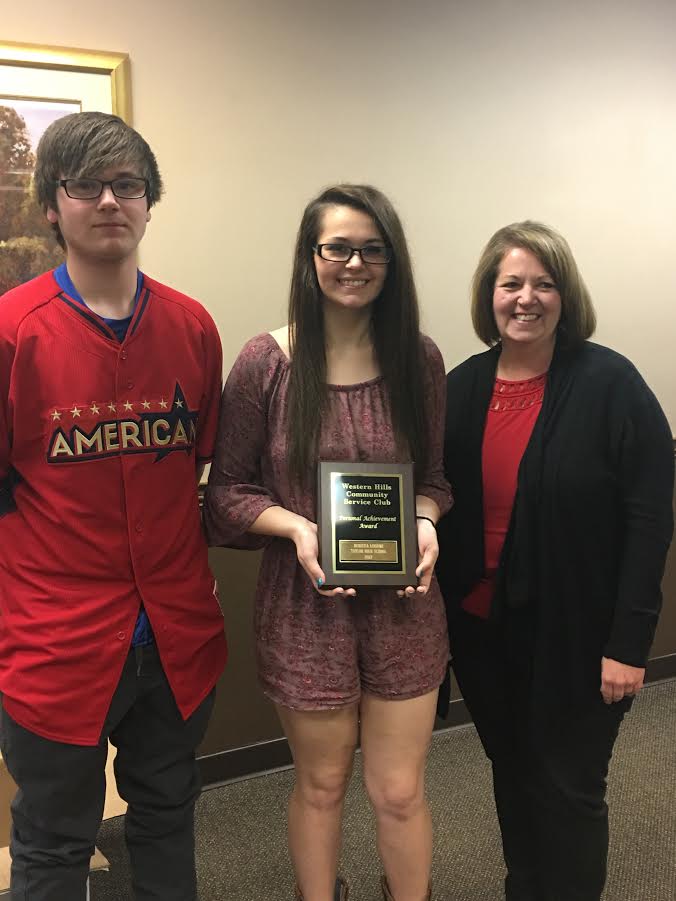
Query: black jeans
<point x="58" y="808"/>
<point x="549" y="779"/>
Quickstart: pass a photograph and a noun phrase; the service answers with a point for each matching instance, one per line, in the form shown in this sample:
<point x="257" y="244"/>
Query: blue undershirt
<point x="143" y="632"/>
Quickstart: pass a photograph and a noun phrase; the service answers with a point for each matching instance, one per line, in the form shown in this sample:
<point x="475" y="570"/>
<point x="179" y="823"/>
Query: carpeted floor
<point x="241" y="845"/>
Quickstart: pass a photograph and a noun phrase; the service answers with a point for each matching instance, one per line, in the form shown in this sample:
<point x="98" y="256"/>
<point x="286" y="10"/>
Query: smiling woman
<point x="349" y="378"/>
<point x="347" y="244"/>
<point x="527" y="309"/>
<point x="551" y="558"/>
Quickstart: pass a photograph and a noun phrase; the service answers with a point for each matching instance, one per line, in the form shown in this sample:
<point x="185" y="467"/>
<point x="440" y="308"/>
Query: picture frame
<point x="39" y="84"/>
<point x="48" y="59"/>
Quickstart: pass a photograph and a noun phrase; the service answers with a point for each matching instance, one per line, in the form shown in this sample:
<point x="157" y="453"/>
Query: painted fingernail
<point x="320" y="582"/>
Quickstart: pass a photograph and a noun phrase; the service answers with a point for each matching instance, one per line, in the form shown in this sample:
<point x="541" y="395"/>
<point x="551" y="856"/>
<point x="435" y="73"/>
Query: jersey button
<point x="121" y="636"/>
<point x="139" y="526"/>
<point x="123" y="355"/>
<point x="130" y="384"/>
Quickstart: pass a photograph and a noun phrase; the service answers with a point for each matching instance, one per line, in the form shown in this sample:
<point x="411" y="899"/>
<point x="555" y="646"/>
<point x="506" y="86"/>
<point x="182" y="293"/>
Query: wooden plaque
<point x="366" y="523"/>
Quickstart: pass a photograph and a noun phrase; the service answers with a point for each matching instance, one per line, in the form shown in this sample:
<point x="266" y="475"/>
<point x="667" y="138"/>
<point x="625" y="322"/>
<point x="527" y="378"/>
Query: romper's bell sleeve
<point x="431" y="481"/>
<point x="236" y="495"/>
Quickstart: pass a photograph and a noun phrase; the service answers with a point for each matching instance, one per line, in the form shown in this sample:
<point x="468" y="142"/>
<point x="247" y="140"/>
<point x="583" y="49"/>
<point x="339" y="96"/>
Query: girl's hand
<point x="307" y="550"/>
<point x="428" y="551"/>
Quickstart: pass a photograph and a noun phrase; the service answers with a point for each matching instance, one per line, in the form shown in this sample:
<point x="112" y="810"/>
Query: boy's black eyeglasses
<point x="91" y="188"/>
<point x="341" y="253"/>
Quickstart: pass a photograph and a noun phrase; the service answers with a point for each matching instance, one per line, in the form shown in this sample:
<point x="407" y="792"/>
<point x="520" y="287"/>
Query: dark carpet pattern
<point x="241" y="844"/>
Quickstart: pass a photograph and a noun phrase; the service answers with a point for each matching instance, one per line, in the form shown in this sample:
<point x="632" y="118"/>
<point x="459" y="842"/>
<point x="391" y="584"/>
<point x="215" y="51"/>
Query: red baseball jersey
<point x="99" y="513"/>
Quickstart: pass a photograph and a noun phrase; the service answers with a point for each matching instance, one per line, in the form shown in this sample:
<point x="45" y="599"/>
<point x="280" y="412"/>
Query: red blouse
<point x="511" y="416"/>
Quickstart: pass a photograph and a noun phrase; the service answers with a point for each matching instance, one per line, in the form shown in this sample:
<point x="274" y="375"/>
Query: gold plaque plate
<point x="371" y="551"/>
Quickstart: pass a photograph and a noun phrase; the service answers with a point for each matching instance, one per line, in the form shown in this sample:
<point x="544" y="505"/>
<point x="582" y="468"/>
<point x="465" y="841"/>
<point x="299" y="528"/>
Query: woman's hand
<point x="428" y="551"/>
<point x="619" y="680"/>
<point x="304" y="536"/>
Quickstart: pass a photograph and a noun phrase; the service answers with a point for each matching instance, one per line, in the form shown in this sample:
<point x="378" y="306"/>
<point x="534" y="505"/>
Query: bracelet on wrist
<point x="428" y="518"/>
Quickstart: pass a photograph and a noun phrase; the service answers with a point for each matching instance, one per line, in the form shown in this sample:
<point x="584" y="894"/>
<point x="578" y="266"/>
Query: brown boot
<point x="387" y="894"/>
<point x="341" y="891"/>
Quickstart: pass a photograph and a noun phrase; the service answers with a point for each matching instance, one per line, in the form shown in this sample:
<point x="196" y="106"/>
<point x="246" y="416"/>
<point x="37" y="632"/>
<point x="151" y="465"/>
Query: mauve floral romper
<point x="316" y="652"/>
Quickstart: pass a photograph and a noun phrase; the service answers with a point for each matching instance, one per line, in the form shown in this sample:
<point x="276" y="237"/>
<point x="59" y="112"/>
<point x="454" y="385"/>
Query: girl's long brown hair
<point x="395" y="327"/>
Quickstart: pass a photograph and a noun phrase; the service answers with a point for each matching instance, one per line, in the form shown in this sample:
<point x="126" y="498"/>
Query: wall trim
<point x="245" y="762"/>
<point x="265" y="757"/>
<point x="660" y="668"/>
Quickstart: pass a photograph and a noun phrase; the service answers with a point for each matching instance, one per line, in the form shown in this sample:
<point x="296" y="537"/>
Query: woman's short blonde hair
<point x="578" y="319"/>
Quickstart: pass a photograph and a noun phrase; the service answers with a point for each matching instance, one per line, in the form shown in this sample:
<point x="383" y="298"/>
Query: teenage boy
<point x="109" y="623"/>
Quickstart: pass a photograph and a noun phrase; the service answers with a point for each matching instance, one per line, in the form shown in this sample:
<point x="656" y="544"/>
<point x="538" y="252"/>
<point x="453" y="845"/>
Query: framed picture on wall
<point x="38" y="85"/>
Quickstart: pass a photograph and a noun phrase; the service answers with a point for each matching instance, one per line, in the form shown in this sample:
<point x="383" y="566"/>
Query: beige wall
<point x="469" y="115"/>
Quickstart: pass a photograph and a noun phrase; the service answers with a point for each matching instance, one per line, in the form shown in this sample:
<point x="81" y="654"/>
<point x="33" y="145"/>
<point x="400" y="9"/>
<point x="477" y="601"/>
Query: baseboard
<point x="245" y="762"/>
<point x="458" y="715"/>
<point x="267" y="756"/>
<point x="661" y="668"/>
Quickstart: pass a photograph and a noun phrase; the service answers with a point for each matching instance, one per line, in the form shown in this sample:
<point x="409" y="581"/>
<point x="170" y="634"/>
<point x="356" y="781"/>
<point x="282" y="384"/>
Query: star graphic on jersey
<point x="179" y="413"/>
<point x="112" y="407"/>
<point x="128" y="406"/>
<point x="163" y="404"/>
<point x="76" y="412"/>
<point x="56" y="415"/>
<point x="95" y="410"/>
<point x="145" y="404"/>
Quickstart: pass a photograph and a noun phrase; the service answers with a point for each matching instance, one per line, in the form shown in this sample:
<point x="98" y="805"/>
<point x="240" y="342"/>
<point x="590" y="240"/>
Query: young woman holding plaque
<point x="349" y="378"/>
<point x="551" y="559"/>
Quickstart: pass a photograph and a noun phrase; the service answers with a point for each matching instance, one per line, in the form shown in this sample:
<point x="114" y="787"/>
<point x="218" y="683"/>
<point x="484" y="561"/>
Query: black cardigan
<point x="592" y="518"/>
